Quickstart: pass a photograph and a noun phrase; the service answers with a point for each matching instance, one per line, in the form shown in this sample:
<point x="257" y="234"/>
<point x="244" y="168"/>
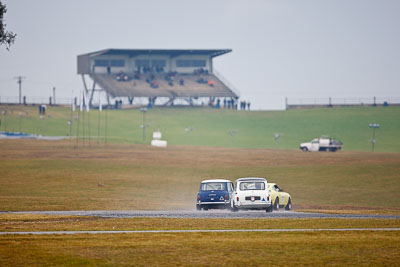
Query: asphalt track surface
<point x="209" y="214"/>
<point x="197" y="231"/>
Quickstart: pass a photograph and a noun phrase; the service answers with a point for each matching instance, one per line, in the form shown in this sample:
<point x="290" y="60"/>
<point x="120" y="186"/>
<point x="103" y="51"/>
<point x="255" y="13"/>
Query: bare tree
<point x="6" y="37"/>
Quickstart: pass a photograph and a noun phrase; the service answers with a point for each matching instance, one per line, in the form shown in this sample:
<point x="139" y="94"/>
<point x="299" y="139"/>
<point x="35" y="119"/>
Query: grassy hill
<point x="211" y="127"/>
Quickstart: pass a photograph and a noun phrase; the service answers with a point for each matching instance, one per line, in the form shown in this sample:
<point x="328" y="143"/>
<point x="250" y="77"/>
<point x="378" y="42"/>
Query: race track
<point x="208" y="214"/>
<point x="198" y="231"/>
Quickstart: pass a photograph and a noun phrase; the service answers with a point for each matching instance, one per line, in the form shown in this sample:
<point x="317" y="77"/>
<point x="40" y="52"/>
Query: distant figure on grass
<point x="248" y="105"/>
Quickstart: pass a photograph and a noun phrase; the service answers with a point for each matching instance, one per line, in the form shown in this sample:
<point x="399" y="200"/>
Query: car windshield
<point x="212" y="186"/>
<point x="252" y="186"/>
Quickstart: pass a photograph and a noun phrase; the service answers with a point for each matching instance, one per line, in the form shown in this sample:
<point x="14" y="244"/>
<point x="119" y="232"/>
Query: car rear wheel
<point x="198" y="207"/>
<point x="234" y="209"/>
<point x="270" y="209"/>
<point x="289" y="205"/>
<point x="276" y="204"/>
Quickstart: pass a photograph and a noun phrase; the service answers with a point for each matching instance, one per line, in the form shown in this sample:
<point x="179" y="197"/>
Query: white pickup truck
<point x="322" y="144"/>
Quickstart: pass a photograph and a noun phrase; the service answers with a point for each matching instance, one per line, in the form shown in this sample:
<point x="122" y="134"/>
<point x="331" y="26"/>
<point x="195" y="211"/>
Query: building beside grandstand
<point x="161" y="76"/>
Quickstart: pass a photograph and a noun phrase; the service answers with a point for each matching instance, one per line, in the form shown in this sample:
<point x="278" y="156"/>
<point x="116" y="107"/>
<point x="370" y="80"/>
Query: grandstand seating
<point x="141" y="88"/>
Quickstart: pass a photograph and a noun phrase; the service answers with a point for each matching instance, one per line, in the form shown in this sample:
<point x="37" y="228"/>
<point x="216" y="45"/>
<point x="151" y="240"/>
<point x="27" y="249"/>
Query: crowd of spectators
<point x="122" y="77"/>
<point x="202" y="80"/>
<point x="200" y="71"/>
<point x="244" y="104"/>
<point x="118" y="104"/>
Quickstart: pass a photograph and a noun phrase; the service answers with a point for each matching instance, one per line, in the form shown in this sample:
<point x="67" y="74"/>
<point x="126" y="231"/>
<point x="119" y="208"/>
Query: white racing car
<point x="251" y="194"/>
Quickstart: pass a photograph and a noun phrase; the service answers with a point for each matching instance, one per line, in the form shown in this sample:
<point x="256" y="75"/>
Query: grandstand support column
<point x="190" y="101"/>
<point x="91" y="96"/>
<point x="108" y="100"/>
<point x="84" y="83"/>
<point x="170" y="101"/>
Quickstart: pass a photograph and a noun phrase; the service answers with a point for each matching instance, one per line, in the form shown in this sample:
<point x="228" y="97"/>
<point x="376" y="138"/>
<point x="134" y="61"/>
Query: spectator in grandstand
<point x="211" y="83"/>
<point x="108" y="69"/>
<point x="154" y="85"/>
<point x="181" y="82"/>
<point x="202" y="80"/>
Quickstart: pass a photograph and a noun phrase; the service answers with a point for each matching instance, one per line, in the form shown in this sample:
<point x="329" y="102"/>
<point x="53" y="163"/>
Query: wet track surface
<point x="208" y="214"/>
<point x="196" y="231"/>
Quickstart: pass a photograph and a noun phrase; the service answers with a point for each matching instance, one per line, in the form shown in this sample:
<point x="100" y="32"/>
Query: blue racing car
<point x="214" y="194"/>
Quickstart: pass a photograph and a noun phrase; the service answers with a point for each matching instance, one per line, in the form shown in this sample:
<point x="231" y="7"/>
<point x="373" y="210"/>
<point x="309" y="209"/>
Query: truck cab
<point x="322" y="144"/>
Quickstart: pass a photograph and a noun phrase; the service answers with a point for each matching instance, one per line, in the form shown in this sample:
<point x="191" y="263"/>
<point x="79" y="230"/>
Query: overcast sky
<point x="309" y="48"/>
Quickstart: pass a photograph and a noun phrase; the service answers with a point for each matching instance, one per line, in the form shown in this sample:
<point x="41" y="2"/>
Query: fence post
<point x="286" y="103"/>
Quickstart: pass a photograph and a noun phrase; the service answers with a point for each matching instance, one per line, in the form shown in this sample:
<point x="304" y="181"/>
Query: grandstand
<point x="164" y="75"/>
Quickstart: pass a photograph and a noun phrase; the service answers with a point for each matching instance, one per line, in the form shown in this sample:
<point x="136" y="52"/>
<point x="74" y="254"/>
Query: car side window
<point x="276" y="188"/>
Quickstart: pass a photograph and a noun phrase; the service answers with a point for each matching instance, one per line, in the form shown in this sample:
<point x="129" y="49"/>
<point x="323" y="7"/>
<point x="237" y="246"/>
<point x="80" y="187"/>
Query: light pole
<point x="188" y="130"/>
<point x="143" y="110"/>
<point x="373" y="126"/>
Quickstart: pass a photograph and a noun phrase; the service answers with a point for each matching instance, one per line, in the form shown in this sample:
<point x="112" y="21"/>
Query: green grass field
<point x="255" y="129"/>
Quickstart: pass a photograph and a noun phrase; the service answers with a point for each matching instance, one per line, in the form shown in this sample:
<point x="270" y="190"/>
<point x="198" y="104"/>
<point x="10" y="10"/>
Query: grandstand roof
<point x="170" y="52"/>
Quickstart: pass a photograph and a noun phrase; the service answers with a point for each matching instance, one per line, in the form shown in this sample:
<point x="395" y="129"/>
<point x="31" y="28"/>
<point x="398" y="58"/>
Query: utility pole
<point x="54" y="95"/>
<point x="19" y="81"/>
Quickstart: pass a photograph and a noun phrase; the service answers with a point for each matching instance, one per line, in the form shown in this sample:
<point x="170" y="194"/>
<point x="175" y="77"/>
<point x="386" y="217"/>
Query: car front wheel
<point x="276" y="204"/>
<point x="289" y="205"/>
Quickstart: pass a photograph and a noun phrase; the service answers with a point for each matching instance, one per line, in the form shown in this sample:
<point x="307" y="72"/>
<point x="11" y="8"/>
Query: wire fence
<point x="341" y="101"/>
<point x="34" y="100"/>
